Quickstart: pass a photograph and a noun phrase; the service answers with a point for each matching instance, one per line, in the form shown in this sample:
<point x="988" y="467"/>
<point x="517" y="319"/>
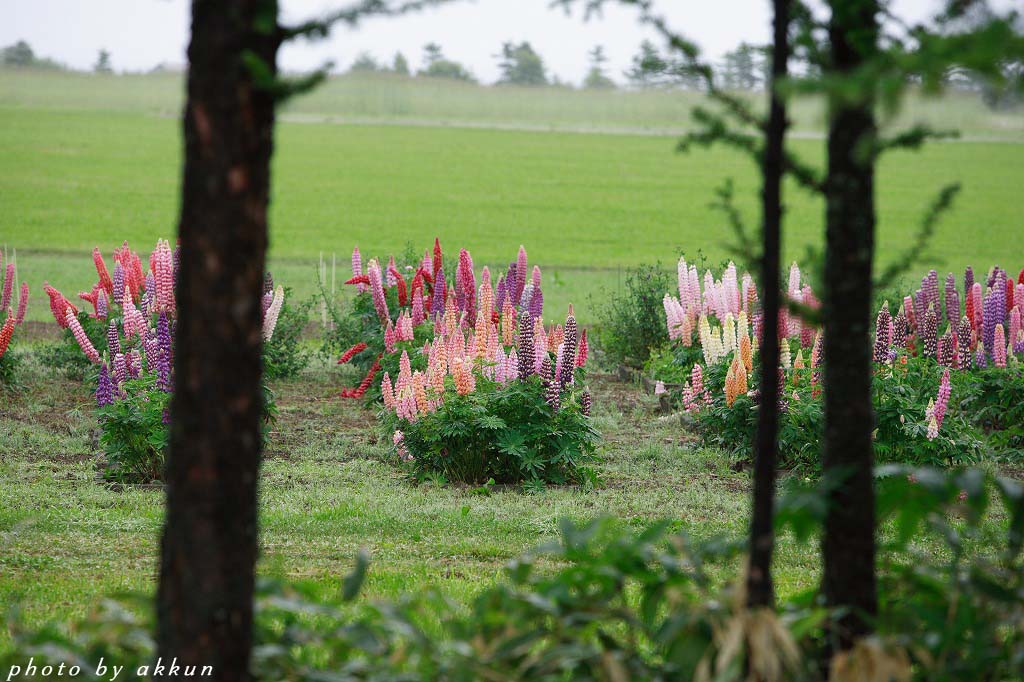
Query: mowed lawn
<point x="586" y="206"/>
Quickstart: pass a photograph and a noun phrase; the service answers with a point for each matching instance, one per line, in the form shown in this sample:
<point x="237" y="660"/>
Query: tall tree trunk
<point x="209" y="548"/>
<point x="848" y="545"/>
<point x="760" y="591"/>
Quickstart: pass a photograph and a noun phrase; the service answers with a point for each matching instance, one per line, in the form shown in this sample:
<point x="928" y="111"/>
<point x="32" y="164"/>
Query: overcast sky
<point x="143" y="33"/>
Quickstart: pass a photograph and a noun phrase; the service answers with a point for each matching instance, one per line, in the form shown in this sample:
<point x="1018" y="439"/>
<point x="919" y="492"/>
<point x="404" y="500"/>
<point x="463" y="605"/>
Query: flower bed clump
<point x="939" y="397"/>
<point x="128" y="340"/>
<point x="474" y="386"/>
<point x="12" y="317"/>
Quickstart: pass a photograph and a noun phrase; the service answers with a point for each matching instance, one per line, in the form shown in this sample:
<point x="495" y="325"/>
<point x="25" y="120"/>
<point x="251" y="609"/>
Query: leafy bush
<point x="631" y="321"/>
<point x="134" y="434"/>
<point x="283" y="355"/>
<point x="609" y="603"/>
<point x="65" y="356"/>
<point x="501" y="432"/>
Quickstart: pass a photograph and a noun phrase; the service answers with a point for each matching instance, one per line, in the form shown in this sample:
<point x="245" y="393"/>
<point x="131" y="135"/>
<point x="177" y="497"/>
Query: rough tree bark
<point x="848" y="545"/>
<point x="209" y="543"/>
<point x="760" y="591"/>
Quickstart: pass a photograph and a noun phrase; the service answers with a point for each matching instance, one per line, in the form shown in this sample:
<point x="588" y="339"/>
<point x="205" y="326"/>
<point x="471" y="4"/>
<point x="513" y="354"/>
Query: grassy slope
<point x="585" y="205"/>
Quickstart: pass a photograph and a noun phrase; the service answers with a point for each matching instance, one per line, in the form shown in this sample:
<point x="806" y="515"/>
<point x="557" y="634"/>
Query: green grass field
<point x="74" y="175"/>
<point x="88" y="161"/>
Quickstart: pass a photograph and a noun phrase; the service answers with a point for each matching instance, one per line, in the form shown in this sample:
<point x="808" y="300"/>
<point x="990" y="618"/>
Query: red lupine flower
<point x="358" y="279"/>
<point x="581" y="355"/>
<point x="6" y="332"/>
<point x="437" y="256"/>
<point x="101" y="269"/>
<point x="403" y="296"/>
<point x="351" y="352"/>
<point x="59" y="305"/>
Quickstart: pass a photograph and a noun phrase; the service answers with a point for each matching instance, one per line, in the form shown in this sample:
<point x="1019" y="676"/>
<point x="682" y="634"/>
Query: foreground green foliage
<point x="605" y="603"/>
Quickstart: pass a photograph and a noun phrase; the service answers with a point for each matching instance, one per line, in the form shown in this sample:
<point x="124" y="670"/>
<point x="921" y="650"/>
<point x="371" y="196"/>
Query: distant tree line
<point x="21" y="55"/>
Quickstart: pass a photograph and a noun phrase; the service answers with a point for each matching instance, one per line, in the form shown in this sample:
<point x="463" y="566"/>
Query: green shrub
<point x="134" y="432"/>
<point x="284" y="356"/>
<point x="631" y="321"/>
<point x="64" y="355"/>
<point x="505" y="433"/>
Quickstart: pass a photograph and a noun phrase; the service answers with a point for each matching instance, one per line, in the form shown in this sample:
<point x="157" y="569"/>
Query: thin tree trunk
<point x="209" y="547"/>
<point x="760" y="591"/>
<point x="848" y="545"/>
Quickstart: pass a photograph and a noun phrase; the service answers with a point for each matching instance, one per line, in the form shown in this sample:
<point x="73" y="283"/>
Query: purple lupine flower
<point x="437" y="302"/>
<point x="510" y="283"/>
<point x="118" y="283"/>
<point x="570" y="342"/>
<point x="177" y="261"/>
<point x="1000" y="289"/>
<point x="945" y="351"/>
<point x="120" y="369"/>
<point x="585" y="402"/>
<point x="166" y="417"/>
<point x="968" y="281"/>
<point x="990" y="318"/>
<point x="980" y="361"/>
<point x="930" y="333"/>
<point x="268" y="283"/>
<point x="882" y="340"/>
<point x="152" y="353"/>
<point x="134" y="364"/>
<point x="952" y="300"/>
<point x="524" y="345"/>
<point x="104" y="388"/>
<point x="268" y="298"/>
<point x="920" y="306"/>
<point x="536" y="302"/>
<point x="963" y="342"/>
<point x="552" y="391"/>
<point x="102" y="308"/>
<point x="500" y="294"/>
<point x="900" y="329"/>
<point x="930" y="284"/>
<point x="163" y="336"/>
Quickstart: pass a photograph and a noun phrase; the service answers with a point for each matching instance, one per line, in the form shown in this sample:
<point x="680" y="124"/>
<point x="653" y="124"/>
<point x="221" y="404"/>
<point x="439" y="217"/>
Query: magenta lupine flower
<point x="963" y="342"/>
<point x="120" y="369"/>
<point x="467" y="279"/>
<point x="930" y="333"/>
<point x="418" y="314"/>
<point x="524" y="346"/>
<point x="952" y="300"/>
<point x="176" y="265"/>
<point x="968" y="280"/>
<point x="520" y="273"/>
<point x="500" y="293"/>
<point x="377" y="291"/>
<point x="357" y="268"/>
<point x="999" y="347"/>
<point x="80" y="336"/>
<point x="134" y="364"/>
<point x="5" y="298"/>
<point x="118" y="283"/>
<point x="535" y="277"/>
<point x="1015" y="323"/>
<point x="104" y="388"/>
<point x="19" y="317"/>
<point x="881" y="349"/>
<point x="440" y="293"/>
<point x="113" y="339"/>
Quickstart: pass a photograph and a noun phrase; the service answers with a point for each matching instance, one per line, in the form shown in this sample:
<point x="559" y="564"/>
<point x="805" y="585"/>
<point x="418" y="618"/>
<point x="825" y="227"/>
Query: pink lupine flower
<point x="389" y="338"/>
<point x="163" y="273"/>
<point x="1015" y="322"/>
<point x="273" y="312"/>
<point x="535" y="276"/>
<point x="418" y="314"/>
<point x="659" y="388"/>
<point x="390" y="273"/>
<point x="521" y="265"/>
<point x="581" y="353"/>
<point x="5" y="297"/>
<point x="22" y="303"/>
<point x="404" y="331"/>
<point x="942" y="399"/>
<point x="398" y="438"/>
<point x="357" y="268"/>
<point x="101" y="269"/>
<point x="377" y="291"/>
<point x="80" y="336"/>
<point x="794" y="278"/>
<point x="999" y="347"/>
